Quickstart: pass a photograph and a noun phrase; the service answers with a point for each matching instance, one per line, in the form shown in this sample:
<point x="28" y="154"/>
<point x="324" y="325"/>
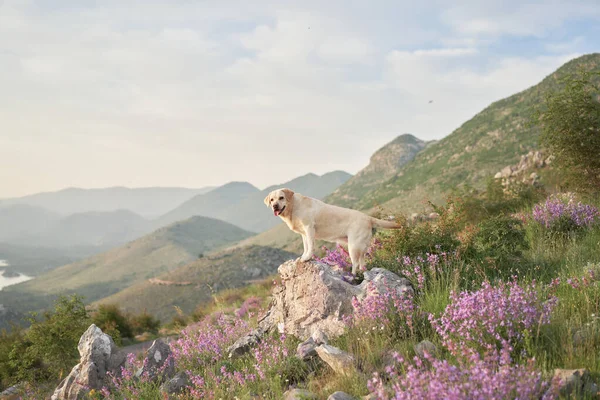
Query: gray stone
<point x="99" y="355"/>
<point x="574" y="381"/>
<point x="245" y="343"/>
<point x="426" y="346"/>
<point x="340" y="396"/>
<point x="315" y="296"/>
<point x="158" y="364"/>
<point x="307" y="349"/>
<point x="298" y="394"/>
<point x="340" y="361"/>
<point x="319" y="337"/>
<point x="176" y="385"/>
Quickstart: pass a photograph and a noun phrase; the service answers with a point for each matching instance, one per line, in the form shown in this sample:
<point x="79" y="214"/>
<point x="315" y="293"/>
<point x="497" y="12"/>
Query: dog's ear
<point x="288" y="193"/>
<point x="267" y="199"/>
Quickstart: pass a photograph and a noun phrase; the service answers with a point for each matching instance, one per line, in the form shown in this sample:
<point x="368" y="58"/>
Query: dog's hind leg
<point x="357" y="255"/>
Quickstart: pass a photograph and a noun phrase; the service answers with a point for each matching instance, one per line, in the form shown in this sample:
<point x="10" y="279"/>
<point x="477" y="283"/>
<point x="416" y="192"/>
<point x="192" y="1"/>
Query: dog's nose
<point x="275" y="206"/>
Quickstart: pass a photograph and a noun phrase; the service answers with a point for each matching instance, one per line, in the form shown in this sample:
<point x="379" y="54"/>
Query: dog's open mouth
<point x="278" y="212"/>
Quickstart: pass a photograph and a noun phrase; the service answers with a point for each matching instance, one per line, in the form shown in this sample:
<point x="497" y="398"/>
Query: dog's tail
<point x="379" y="223"/>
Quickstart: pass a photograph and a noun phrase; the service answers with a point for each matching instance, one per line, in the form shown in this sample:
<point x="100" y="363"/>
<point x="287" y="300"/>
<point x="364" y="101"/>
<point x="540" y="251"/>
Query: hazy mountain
<point x="242" y="204"/>
<point x="107" y="273"/>
<point x="148" y="202"/>
<point x="196" y="282"/>
<point x="216" y="203"/>
<point x="22" y="219"/>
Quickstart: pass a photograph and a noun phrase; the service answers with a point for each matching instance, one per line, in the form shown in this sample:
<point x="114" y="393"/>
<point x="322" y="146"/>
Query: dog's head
<point x="279" y="200"/>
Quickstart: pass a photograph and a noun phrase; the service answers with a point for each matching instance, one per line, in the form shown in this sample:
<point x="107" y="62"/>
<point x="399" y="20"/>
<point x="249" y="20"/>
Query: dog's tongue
<point x="276" y="212"/>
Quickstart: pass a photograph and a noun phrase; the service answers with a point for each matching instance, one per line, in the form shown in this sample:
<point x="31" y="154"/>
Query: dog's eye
<point x="281" y="198"/>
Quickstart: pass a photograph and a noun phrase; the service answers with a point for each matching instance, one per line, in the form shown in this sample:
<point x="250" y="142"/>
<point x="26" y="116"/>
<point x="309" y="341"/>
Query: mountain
<point x="22" y="219"/>
<point x="214" y="204"/>
<point x="148" y="202"/>
<point x="384" y="164"/>
<point x="93" y="229"/>
<point x="492" y="139"/>
<point x="242" y="204"/>
<point x="194" y="283"/>
<point x="482" y="146"/>
<point x="251" y="214"/>
<point x="107" y="273"/>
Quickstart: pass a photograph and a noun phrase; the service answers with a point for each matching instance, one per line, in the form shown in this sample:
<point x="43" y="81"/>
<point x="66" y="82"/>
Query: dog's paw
<point x="306" y="258"/>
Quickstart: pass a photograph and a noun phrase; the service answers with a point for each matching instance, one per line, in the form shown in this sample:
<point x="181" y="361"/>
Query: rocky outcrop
<point x="524" y="170"/>
<point x="99" y="356"/>
<point x="314" y="296"/>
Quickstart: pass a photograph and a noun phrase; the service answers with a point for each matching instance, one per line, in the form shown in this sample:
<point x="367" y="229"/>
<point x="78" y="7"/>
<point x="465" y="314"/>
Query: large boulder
<point x="99" y="355"/>
<point x="315" y="296"/>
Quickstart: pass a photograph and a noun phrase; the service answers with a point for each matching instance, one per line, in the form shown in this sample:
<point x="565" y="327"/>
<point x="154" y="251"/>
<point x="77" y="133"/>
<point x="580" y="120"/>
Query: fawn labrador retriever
<point x="314" y="219"/>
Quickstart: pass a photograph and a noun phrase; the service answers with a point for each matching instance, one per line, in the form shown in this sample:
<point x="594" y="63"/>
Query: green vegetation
<point x="570" y="121"/>
<point x="48" y="349"/>
<point x="199" y="281"/>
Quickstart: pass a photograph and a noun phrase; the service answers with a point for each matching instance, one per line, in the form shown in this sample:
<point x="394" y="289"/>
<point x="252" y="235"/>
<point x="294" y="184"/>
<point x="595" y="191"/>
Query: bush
<point x="8" y="339"/>
<point x="570" y="124"/>
<point x="562" y="216"/>
<point x="144" y="322"/>
<point x="500" y="242"/>
<point x="49" y="347"/>
<point x="430" y="237"/>
<point x="113" y="321"/>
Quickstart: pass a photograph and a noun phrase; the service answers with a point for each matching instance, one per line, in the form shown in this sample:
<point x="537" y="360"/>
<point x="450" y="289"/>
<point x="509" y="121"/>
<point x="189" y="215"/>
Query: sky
<point x="198" y="93"/>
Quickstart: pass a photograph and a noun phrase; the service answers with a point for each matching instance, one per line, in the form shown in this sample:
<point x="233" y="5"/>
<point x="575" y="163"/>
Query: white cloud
<point x="198" y="93"/>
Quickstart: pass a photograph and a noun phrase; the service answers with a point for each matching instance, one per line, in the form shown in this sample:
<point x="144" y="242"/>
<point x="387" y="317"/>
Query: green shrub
<point x="49" y="347"/>
<point x="144" y="322"/>
<point x="8" y="339"/>
<point x="112" y="321"/>
<point x="499" y="243"/>
<point x="570" y="129"/>
<point x="431" y="237"/>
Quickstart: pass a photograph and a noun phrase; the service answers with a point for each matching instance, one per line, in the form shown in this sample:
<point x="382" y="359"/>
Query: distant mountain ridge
<point x="148" y="202"/>
<point x="241" y="204"/>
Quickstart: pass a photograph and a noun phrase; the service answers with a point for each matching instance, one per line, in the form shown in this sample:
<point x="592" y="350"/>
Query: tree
<point x="570" y="129"/>
<point x="49" y="347"/>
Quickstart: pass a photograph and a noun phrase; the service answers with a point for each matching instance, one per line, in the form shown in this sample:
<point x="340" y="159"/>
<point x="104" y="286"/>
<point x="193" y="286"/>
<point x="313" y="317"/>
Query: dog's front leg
<point x="305" y="245"/>
<point x="309" y="244"/>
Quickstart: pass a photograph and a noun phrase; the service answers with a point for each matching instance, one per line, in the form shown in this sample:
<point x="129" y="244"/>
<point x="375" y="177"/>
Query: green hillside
<point x="107" y="273"/>
<point x="492" y="139"/>
<point x="192" y="284"/>
<point x="384" y="164"/>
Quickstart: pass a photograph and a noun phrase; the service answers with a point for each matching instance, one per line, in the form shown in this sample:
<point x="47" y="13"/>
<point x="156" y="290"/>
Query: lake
<point x="4" y="281"/>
